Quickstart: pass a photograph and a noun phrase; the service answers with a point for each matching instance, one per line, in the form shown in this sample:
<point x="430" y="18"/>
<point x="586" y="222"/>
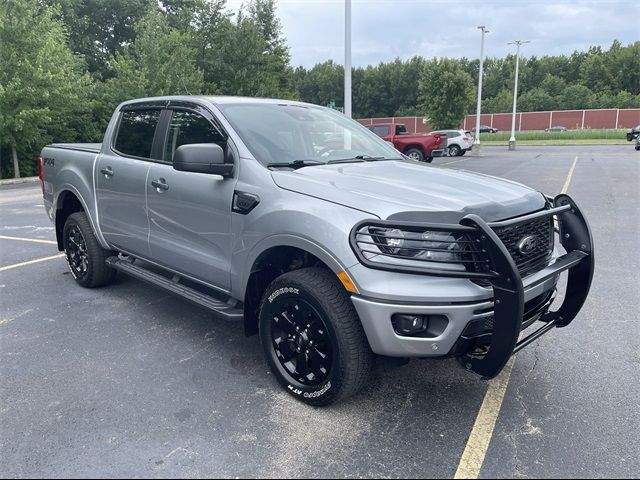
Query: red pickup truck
<point x="419" y="146"/>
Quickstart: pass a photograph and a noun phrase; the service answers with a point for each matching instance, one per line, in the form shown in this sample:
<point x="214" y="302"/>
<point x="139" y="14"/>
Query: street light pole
<point x="477" y="138"/>
<point x="512" y="140"/>
<point x="347" y="58"/>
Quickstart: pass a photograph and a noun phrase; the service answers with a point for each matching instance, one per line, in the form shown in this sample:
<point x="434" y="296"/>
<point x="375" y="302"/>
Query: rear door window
<point x="136" y="131"/>
<point x="380" y="130"/>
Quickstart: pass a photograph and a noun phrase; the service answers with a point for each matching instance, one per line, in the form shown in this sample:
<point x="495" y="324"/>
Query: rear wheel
<point x="415" y="154"/>
<point x="313" y="338"/>
<point x="85" y="256"/>
<point x="454" y="151"/>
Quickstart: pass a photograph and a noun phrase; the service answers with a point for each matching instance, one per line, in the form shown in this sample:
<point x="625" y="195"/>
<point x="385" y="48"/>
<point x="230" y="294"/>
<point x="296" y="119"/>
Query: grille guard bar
<point x="508" y="286"/>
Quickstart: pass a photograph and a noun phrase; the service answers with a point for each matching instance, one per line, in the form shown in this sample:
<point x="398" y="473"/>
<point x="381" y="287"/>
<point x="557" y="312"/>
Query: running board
<point x="209" y="302"/>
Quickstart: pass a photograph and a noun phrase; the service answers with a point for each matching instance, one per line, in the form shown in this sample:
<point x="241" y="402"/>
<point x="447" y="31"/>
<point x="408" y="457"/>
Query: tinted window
<point x="135" y="133"/>
<point x="190" y="127"/>
<point x="380" y="130"/>
<point x="453" y="134"/>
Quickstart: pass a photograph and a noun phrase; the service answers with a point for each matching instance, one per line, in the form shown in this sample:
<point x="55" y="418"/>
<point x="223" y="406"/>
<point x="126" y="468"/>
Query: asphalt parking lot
<point x="128" y="381"/>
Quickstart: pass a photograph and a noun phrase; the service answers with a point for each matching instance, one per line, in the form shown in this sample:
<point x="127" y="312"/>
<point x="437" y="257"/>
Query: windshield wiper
<point x="295" y="164"/>
<point x="361" y="158"/>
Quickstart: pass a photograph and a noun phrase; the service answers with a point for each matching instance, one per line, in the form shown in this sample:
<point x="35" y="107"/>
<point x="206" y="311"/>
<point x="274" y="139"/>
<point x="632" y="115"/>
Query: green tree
<point x="536" y="99"/>
<point x="161" y="61"/>
<point x="100" y="28"/>
<point x="500" y="103"/>
<point x="445" y="93"/>
<point x="577" y="97"/>
<point x="43" y="92"/>
<point x="322" y="84"/>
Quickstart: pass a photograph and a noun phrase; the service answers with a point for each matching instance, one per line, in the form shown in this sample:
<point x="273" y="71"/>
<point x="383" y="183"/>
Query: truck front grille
<point x="529" y="262"/>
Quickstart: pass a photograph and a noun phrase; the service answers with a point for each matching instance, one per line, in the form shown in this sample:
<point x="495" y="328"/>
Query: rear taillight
<point x="438" y="139"/>
<point x="41" y="172"/>
<point x="466" y="139"/>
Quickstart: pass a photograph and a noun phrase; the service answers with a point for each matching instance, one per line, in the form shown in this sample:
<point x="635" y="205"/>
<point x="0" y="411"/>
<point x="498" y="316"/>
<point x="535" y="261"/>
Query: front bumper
<point x="512" y="307"/>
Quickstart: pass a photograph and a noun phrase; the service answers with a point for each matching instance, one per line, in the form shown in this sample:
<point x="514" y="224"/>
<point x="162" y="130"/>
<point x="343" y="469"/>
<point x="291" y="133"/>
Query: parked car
<point x="419" y="146"/>
<point x="638" y="142"/>
<point x="488" y="129"/>
<point x="557" y="128"/>
<point x="333" y="254"/>
<point x="458" y="141"/>
<point x="633" y="133"/>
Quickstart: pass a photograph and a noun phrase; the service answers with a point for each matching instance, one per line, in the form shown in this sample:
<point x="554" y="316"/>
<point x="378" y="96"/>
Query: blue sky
<point x="385" y="29"/>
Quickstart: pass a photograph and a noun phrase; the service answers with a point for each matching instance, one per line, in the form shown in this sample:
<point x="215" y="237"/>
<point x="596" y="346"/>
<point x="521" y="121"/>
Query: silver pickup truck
<point x="318" y="235"/>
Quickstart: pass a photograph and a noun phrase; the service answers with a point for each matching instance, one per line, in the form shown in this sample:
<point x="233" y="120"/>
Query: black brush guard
<point x="508" y="286"/>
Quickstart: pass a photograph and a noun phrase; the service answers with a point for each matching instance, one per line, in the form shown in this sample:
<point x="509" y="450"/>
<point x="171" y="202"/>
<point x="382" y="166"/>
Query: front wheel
<point x="454" y="151"/>
<point x="312" y="337"/>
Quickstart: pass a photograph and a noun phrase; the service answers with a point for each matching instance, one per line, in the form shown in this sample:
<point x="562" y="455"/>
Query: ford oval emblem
<point x="527" y="244"/>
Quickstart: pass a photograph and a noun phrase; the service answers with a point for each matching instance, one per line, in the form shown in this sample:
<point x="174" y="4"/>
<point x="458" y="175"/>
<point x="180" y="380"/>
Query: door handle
<point x="107" y="172"/>
<point x="160" y="185"/>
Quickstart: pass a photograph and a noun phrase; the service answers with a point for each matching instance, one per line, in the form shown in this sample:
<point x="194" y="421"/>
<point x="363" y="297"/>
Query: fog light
<point x="409" y="325"/>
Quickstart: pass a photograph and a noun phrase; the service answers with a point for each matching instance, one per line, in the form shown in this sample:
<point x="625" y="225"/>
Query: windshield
<point x="281" y="134"/>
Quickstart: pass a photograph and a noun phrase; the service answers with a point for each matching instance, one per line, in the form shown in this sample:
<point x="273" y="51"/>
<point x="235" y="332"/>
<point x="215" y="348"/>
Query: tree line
<point x="65" y="64"/>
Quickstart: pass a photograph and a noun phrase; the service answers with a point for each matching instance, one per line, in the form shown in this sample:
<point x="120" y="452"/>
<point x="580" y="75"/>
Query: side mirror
<point x="202" y="158"/>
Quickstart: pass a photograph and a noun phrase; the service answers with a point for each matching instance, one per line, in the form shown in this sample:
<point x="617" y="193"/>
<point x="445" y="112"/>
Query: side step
<point x="174" y="287"/>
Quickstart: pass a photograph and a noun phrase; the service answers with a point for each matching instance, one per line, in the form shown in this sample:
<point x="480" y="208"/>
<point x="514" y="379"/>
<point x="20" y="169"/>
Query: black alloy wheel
<point x="77" y="255"/>
<point x="312" y="337"/>
<point x="300" y="341"/>
<point x="85" y="256"/>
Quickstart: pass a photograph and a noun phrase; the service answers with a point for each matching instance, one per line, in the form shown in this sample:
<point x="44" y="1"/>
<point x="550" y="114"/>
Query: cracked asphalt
<point x="126" y="381"/>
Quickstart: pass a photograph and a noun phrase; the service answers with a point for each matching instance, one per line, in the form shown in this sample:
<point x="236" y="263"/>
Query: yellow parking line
<point x="35" y="240"/>
<point x="37" y="260"/>
<point x="478" y="443"/>
<point x="565" y="187"/>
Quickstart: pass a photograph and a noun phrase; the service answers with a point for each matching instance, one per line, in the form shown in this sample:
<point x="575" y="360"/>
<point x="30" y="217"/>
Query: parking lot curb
<point x="15" y="181"/>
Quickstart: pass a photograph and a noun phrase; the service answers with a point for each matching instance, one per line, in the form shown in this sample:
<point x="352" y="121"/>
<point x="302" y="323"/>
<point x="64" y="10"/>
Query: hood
<point x="407" y="191"/>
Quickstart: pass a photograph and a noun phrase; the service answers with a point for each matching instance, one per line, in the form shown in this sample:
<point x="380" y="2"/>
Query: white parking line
<point x="30" y="262"/>
<point x="456" y="161"/>
<point x="22" y="239"/>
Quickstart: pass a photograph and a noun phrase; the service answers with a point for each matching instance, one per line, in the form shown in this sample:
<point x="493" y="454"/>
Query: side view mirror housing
<point x="202" y="158"/>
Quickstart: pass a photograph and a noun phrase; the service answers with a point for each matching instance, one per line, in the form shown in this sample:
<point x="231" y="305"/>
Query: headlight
<point x="428" y="245"/>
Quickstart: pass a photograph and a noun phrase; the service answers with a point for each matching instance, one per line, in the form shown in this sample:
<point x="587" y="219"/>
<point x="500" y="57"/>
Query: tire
<point x="428" y="159"/>
<point x="334" y="335"/>
<point x="85" y="256"/>
<point x="415" y="153"/>
<point x="454" y="151"/>
<point x="462" y="152"/>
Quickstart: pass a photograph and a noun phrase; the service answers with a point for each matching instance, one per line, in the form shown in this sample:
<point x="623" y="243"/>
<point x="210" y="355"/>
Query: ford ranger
<point x="418" y="146"/>
<point x="336" y="253"/>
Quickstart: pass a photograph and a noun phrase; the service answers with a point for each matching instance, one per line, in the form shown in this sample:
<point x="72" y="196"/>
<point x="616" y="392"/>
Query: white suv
<point x="459" y="141"/>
